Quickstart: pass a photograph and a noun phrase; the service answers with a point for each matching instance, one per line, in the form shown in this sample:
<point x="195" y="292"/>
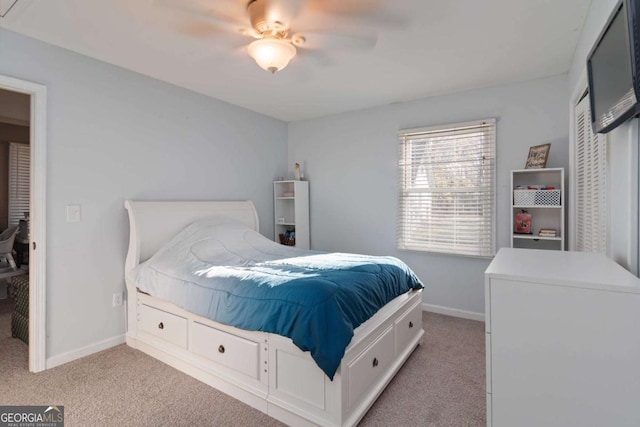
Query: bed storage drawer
<point x="229" y="350"/>
<point x="167" y="326"/>
<point x="407" y="327"/>
<point x="370" y="365"/>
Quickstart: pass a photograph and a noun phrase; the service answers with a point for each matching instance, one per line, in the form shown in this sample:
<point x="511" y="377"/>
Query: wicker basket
<point x="536" y="197"/>
<point x="286" y="240"/>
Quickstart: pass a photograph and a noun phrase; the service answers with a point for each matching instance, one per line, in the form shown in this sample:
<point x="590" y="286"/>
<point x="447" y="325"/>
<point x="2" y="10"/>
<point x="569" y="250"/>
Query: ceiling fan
<point x="271" y="24"/>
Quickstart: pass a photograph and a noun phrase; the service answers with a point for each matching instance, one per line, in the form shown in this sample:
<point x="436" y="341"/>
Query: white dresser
<point x="563" y="340"/>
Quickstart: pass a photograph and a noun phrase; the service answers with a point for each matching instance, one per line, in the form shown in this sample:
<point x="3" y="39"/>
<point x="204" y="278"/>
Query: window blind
<point x="591" y="176"/>
<point x="447" y="189"/>
<point x="19" y="181"/>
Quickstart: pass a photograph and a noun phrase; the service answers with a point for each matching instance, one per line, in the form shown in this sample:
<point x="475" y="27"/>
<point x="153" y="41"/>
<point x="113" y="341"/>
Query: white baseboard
<point x="453" y="312"/>
<point x="72" y="355"/>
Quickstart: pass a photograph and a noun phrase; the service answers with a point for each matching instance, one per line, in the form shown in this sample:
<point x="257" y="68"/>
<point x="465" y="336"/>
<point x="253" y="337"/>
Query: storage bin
<point x="536" y="197"/>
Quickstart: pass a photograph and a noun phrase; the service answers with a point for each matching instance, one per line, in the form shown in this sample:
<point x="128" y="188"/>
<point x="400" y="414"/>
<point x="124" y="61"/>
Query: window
<point x="447" y="189"/>
<point x="590" y="181"/>
<point x="19" y="181"/>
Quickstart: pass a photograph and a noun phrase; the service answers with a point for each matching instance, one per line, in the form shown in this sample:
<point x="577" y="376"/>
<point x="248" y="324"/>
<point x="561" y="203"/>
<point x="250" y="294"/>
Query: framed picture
<point x="538" y="155"/>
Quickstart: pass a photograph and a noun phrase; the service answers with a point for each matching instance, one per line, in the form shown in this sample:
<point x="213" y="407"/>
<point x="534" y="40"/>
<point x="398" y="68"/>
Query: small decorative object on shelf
<point x="523" y="223"/>
<point x="548" y="232"/>
<point x="538" y="155"/>
<point x="288" y="238"/>
<point x="297" y="174"/>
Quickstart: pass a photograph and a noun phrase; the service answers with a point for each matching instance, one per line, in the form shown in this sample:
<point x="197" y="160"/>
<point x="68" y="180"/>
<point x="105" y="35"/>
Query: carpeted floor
<point x="442" y="384"/>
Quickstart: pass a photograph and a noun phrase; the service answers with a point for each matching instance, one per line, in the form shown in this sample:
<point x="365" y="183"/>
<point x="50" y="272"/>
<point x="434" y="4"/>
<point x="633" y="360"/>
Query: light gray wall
<point x="113" y="135"/>
<point x="622" y="152"/>
<point x="599" y="11"/>
<point x="351" y="162"/>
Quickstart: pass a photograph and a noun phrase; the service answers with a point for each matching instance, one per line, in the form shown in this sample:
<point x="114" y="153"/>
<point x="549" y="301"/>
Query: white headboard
<point x="152" y="224"/>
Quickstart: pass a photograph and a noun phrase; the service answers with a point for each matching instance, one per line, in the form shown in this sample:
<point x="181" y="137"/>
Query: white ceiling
<point x="424" y="48"/>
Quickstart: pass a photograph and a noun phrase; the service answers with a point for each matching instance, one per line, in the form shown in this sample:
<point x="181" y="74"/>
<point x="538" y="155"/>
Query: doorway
<point x="36" y="241"/>
<point x="15" y="186"/>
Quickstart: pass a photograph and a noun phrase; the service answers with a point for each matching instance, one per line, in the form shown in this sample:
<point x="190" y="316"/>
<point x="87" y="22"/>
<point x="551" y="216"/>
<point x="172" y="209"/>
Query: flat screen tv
<point x="613" y="69"/>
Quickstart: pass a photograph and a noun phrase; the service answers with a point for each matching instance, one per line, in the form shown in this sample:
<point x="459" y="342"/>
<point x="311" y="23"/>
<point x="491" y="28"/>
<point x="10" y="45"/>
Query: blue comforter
<point x="233" y="275"/>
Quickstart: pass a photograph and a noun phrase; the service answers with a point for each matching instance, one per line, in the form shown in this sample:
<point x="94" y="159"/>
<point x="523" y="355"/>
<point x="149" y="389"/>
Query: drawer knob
<point x="160" y="325"/>
<point x="221" y="349"/>
<point x="375" y="362"/>
<point x="411" y="324"/>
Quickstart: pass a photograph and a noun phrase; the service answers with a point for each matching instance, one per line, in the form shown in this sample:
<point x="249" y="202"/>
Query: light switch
<point x="73" y="213"/>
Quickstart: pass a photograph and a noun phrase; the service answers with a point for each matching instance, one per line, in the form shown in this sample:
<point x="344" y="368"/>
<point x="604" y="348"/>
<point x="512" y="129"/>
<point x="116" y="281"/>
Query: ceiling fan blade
<point x="221" y="13"/>
<point x="373" y="13"/>
<point x="334" y="40"/>
<point x="198" y="29"/>
<point x="286" y="11"/>
<point x="204" y="31"/>
<point x="319" y="57"/>
<point x="250" y="32"/>
<point x="345" y="7"/>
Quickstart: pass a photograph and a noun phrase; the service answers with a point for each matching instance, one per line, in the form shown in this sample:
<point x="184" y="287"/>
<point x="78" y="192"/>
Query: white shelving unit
<point x="545" y="206"/>
<point x="291" y="211"/>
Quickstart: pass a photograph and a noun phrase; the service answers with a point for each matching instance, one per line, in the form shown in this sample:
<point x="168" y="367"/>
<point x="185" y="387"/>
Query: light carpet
<point x="442" y="384"/>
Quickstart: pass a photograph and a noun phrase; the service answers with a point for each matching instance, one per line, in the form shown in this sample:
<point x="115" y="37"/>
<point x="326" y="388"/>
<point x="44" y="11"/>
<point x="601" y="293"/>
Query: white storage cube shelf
<point x="291" y="211"/>
<point x="546" y="207"/>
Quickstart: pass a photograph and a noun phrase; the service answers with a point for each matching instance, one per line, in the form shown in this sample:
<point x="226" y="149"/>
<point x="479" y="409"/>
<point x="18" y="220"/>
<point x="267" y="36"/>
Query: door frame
<point x="38" y="217"/>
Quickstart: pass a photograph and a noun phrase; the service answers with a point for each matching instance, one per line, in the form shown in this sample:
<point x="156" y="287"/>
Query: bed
<point x="262" y="369"/>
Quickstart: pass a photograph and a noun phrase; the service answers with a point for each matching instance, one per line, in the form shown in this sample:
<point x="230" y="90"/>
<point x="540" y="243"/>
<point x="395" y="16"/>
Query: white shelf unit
<point x="291" y="210"/>
<point x="547" y="207"/>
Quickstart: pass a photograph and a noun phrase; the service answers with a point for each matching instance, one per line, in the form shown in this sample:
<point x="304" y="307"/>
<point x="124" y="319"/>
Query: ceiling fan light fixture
<point x="271" y="54"/>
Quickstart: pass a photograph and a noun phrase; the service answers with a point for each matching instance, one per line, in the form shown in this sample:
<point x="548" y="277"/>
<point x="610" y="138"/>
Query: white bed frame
<point x="265" y="371"/>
